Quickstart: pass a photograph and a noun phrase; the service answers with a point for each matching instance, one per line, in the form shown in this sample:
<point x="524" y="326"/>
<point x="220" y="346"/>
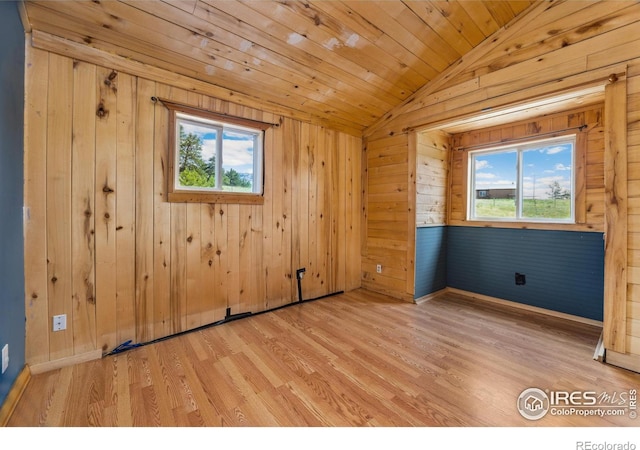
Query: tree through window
<point x="217" y="156"/>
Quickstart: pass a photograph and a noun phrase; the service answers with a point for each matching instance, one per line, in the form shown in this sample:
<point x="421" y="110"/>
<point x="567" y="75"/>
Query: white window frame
<point x="220" y="122"/>
<point x="520" y="148"/>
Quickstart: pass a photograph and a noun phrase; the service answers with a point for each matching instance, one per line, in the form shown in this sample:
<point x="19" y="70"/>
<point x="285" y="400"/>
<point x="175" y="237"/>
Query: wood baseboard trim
<point x="64" y="362"/>
<point x="624" y="361"/>
<point x="598" y="354"/>
<point x="426" y="298"/>
<point x="548" y="312"/>
<point x="14" y="396"/>
<point x="369" y="286"/>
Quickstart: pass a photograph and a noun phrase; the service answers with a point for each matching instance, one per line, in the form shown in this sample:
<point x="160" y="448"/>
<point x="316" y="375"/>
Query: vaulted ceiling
<point x="342" y="63"/>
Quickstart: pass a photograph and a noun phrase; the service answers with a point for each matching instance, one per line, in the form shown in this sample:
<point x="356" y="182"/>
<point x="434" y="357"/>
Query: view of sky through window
<point x="238" y="147"/>
<point x="541" y="167"/>
<point x="531" y="181"/>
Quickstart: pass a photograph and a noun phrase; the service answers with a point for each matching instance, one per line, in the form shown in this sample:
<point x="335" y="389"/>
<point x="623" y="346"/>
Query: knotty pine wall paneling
<point x="556" y="48"/>
<point x="59" y="188"/>
<point x="37" y="339"/>
<point x="125" y="209"/>
<point x="84" y="137"/>
<point x="105" y="247"/>
<point x="105" y="155"/>
<point x="633" y="223"/>
<point x="387" y="217"/>
<point x="432" y="165"/>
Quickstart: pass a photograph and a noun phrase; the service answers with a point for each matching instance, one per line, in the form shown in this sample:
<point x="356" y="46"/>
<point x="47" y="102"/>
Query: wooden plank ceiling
<point x="342" y="63"/>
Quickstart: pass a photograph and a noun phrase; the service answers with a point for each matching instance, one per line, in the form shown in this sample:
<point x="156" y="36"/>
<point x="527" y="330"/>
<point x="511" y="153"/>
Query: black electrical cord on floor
<point x="299" y="275"/>
<point x="127" y="345"/>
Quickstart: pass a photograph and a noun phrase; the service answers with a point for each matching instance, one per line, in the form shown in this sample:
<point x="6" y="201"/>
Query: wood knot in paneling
<point x="102" y="112"/>
<point x="110" y="81"/>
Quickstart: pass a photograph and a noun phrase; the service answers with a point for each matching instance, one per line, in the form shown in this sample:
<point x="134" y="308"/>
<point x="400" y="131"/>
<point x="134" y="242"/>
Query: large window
<point x="532" y="181"/>
<point x="214" y="158"/>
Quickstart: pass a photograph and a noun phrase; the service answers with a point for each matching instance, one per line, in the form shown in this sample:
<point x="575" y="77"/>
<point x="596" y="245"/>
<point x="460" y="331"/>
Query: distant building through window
<point x="496" y="193"/>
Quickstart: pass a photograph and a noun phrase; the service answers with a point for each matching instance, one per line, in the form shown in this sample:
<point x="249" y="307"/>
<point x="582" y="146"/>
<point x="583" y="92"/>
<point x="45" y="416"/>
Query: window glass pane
<point x="547" y="181"/>
<point x="494" y="185"/>
<point x="215" y="156"/>
<point x="238" y="149"/>
<point x="196" y="157"/>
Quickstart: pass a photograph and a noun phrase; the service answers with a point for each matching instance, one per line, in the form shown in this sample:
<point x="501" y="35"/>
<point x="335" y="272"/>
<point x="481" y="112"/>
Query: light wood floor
<point x="356" y="359"/>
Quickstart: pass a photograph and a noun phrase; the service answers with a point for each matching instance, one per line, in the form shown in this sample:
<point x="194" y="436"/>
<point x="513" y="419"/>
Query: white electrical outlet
<point x="379" y="268"/>
<point x="60" y="322"/>
<point x="5" y="358"/>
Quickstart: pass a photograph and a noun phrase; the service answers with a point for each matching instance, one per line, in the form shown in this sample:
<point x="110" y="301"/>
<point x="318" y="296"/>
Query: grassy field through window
<point x="502" y="208"/>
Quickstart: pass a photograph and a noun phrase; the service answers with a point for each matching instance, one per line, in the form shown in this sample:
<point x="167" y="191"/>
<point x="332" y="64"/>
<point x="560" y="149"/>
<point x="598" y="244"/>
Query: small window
<point x="214" y="158"/>
<point x="532" y="181"/>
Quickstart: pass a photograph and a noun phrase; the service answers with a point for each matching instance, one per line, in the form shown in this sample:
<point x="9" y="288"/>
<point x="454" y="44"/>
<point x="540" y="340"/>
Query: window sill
<point x="523" y="221"/>
<point x="587" y="227"/>
<point x="215" y="197"/>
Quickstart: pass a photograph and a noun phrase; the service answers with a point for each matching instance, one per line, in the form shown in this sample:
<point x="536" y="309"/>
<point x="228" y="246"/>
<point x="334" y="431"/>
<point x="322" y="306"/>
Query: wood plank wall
<point x="432" y="175"/>
<point x="388" y="206"/>
<point x="589" y="167"/>
<point x="559" y="46"/>
<point x="104" y="247"/>
<point x="633" y="217"/>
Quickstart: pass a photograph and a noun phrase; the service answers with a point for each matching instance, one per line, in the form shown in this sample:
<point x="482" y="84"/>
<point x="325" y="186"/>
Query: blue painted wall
<point x="431" y="260"/>
<point x="12" y="312"/>
<point x="564" y="269"/>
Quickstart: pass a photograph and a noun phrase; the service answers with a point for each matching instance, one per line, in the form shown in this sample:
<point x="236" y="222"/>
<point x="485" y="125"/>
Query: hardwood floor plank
<point x="245" y="367"/>
<point x="59" y="398"/>
<point x="361" y="399"/>
<point x="253" y="412"/>
<point x="351" y="360"/>
<point x="153" y="414"/>
<point x="123" y="400"/>
<point x="274" y="379"/>
<point x="325" y="412"/>
<point x="166" y="384"/>
<point x="287" y="410"/>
